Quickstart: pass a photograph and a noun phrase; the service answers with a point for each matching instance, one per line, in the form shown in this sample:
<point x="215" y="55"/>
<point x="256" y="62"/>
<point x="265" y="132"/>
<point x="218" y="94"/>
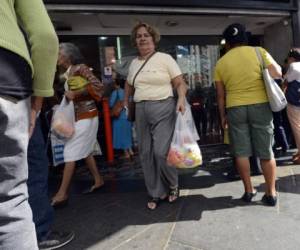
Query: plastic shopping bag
<point x="63" y="120"/>
<point x="57" y="146"/>
<point x="184" y="150"/>
<point x="96" y="149"/>
<point x="190" y="121"/>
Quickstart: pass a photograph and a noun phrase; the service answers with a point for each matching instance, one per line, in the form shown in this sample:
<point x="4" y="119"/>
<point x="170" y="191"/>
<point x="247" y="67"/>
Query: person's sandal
<point x="59" y="203"/>
<point x="155" y="201"/>
<point x="247" y="197"/>
<point x="269" y="200"/>
<point x="174" y="192"/>
<point x="93" y="189"/>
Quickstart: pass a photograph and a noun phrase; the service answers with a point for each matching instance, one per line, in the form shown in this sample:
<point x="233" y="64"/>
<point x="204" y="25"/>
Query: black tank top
<point x="15" y="75"/>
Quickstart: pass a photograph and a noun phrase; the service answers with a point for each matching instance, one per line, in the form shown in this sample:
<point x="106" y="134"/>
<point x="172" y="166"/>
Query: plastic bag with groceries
<point x="63" y="120"/>
<point x="184" y="151"/>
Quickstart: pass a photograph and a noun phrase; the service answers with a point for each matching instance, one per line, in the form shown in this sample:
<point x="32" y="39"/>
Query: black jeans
<point x="279" y="132"/>
<point x="37" y="183"/>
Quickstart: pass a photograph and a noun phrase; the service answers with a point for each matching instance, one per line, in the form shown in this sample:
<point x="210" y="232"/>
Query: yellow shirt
<point x="239" y="70"/>
<point x="154" y="80"/>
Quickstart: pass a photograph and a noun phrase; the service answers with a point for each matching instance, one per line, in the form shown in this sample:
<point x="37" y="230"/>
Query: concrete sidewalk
<point x="208" y="215"/>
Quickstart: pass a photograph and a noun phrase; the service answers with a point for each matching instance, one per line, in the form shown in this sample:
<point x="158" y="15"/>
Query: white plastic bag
<point x="184" y="150"/>
<point x="57" y="146"/>
<point x="97" y="149"/>
<point x="63" y="120"/>
<point x="190" y="121"/>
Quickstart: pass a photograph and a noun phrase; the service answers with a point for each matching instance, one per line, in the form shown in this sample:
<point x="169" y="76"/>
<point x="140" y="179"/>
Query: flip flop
<point x="59" y="204"/>
<point x="175" y="193"/>
<point x="93" y="190"/>
<point x="156" y="201"/>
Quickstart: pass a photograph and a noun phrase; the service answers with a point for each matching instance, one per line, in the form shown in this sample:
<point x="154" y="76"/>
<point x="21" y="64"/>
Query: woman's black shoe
<point x="247" y="197"/>
<point x="269" y="200"/>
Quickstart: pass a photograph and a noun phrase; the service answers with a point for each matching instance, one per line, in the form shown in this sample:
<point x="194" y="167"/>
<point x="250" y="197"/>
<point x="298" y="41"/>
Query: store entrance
<point x="110" y="57"/>
<point x="192" y="40"/>
<point x="195" y="55"/>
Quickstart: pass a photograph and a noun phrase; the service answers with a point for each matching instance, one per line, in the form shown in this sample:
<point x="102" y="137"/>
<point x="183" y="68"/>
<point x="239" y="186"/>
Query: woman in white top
<point x="155" y="111"/>
<point x="84" y="89"/>
<point x="292" y="84"/>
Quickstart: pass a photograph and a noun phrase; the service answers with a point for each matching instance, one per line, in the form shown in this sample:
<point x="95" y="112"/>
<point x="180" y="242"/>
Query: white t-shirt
<point x="154" y="80"/>
<point x="293" y="73"/>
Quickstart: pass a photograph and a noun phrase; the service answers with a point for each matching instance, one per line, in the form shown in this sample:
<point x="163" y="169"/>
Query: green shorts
<point x="251" y="130"/>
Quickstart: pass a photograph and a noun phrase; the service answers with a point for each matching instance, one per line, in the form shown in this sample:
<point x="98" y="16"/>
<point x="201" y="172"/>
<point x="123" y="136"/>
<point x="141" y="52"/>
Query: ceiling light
<point x="285" y="22"/>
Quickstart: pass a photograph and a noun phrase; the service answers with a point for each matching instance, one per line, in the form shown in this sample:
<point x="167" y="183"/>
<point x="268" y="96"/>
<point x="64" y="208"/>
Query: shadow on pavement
<point x="122" y="204"/>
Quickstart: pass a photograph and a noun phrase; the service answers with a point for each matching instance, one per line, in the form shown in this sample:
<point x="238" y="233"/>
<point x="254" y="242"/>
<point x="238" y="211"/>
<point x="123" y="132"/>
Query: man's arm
<point x="43" y="42"/>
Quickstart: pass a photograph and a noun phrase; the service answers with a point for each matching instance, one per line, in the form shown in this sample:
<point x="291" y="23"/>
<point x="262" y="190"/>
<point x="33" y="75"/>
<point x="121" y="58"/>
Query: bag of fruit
<point x="184" y="151"/>
<point x="63" y="120"/>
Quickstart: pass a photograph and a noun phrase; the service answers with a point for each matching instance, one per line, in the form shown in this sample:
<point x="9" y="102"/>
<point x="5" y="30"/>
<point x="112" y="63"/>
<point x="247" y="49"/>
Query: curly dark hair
<point x="152" y="31"/>
<point x="295" y="53"/>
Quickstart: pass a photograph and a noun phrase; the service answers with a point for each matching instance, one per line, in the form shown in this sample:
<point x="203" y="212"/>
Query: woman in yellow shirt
<point x="241" y="91"/>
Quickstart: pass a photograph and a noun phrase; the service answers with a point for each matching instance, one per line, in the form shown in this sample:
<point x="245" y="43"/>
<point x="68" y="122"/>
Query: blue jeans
<point x="38" y="183"/>
<point x="16" y="226"/>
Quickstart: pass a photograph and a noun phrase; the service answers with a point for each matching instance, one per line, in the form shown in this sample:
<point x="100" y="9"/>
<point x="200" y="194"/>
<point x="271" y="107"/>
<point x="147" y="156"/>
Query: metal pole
<point x="108" y="131"/>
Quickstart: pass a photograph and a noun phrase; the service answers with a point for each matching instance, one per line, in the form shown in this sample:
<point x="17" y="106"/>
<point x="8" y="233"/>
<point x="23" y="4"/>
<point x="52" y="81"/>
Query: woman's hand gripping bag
<point x="63" y="121"/>
<point x="184" y="150"/>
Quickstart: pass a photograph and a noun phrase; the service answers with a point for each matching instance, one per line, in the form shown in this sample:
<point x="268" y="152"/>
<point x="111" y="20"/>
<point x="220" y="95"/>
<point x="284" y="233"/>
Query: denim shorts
<point x="251" y="130"/>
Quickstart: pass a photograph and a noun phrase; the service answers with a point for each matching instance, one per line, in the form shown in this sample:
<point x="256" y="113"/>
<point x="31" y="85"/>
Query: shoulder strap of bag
<point x="142" y="68"/>
<point x="262" y="64"/>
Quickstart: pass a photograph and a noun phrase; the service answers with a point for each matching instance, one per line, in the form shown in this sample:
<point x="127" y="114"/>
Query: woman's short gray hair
<point x="150" y="29"/>
<point x="72" y="52"/>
